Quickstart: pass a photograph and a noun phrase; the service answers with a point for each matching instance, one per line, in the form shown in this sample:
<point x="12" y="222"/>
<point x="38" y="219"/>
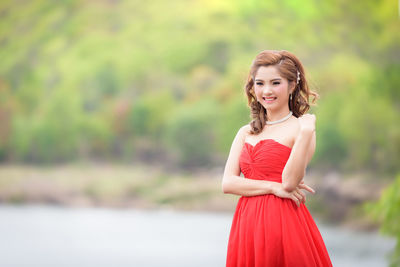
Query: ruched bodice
<point x="265" y="160"/>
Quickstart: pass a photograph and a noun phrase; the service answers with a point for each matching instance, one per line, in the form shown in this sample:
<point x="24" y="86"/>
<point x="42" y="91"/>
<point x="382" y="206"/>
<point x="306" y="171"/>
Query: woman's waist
<point x="268" y="199"/>
<point x="277" y="179"/>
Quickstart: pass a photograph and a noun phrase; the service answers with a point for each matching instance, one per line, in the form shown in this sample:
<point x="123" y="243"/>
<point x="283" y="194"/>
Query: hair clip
<point x="298" y="77"/>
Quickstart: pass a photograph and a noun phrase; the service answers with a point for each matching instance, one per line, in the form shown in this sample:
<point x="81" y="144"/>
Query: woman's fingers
<point x="303" y="196"/>
<point x="298" y="195"/>
<point x="295" y="200"/>
<point x="306" y="187"/>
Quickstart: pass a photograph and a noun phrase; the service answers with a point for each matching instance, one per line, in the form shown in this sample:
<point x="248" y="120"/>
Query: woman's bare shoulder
<point x="245" y="130"/>
<point x="241" y="134"/>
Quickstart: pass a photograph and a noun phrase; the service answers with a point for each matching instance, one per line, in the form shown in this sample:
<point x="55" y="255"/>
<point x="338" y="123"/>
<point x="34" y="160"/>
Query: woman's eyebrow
<point x="271" y="79"/>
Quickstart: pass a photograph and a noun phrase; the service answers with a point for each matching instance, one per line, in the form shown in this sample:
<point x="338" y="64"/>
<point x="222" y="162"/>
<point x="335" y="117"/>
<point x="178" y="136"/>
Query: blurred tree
<point x="92" y="54"/>
<point x="387" y="212"/>
<point x="190" y="133"/>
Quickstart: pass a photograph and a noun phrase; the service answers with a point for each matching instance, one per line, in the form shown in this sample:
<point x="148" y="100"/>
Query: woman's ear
<point x="292" y="87"/>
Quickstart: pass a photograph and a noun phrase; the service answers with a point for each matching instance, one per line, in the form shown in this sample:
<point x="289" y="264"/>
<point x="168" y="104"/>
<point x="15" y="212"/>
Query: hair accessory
<point x="298" y="77"/>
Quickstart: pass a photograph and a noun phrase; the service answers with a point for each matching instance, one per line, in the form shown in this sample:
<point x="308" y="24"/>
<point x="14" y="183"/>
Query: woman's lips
<point x="269" y="99"/>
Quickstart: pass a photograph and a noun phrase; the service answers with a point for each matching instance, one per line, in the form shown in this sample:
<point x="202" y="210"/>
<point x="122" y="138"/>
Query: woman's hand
<point x="307" y="122"/>
<point x="296" y="195"/>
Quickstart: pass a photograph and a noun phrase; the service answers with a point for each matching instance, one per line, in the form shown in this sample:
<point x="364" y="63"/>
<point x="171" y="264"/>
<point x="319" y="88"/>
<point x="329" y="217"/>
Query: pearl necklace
<point x="280" y="120"/>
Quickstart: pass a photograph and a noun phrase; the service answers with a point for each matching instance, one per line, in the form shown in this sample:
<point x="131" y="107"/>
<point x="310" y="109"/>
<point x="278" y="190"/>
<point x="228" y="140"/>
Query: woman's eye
<point x="276" y="83"/>
<point x="259" y="83"/>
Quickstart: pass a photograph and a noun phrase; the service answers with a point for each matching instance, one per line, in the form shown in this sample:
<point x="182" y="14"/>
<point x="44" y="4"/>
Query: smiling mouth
<point x="269" y="99"/>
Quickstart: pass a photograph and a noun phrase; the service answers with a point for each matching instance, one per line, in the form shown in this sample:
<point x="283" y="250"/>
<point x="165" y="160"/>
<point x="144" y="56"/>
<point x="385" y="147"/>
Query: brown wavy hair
<point x="287" y="65"/>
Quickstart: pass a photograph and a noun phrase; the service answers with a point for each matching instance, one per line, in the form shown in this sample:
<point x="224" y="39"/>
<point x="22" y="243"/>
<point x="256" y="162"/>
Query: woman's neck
<point x="276" y="115"/>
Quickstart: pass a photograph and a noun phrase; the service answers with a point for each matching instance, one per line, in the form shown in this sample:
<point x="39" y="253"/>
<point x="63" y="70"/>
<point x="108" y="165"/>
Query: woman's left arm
<point x="301" y="154"/>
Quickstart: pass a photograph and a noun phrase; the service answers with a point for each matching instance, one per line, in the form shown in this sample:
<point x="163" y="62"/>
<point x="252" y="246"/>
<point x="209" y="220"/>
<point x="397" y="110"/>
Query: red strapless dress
<point x="269" y="231"/>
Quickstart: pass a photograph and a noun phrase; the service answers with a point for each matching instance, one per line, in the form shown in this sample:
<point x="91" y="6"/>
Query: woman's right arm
<point x="232" y="182"/>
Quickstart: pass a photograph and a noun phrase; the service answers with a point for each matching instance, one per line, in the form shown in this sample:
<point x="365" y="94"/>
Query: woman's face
<point x="271" y="90"/>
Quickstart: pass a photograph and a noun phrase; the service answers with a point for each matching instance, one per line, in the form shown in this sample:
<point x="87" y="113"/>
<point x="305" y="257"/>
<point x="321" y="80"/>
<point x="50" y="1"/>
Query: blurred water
<point x="37" y="235"/>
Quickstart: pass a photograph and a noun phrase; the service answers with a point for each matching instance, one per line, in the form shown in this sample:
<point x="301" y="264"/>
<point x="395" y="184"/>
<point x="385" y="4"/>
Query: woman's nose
<point x="267" y="89"/>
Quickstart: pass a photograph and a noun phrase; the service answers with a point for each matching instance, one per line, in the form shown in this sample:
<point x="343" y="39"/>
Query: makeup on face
<point x="269" y="86"/>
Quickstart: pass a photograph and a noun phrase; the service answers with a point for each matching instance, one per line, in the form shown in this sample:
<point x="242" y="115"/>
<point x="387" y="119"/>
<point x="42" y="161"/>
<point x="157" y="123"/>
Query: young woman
<point x="271" y="225"/>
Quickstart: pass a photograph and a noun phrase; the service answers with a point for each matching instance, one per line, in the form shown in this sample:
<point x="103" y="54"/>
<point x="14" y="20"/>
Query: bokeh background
<point x="116" y="119"/>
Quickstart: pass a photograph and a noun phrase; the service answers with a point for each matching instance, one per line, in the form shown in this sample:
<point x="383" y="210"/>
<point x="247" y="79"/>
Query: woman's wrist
<point x="306" y="131"/>
<point x="304" y="135"/>
<point x="271" y="187"/>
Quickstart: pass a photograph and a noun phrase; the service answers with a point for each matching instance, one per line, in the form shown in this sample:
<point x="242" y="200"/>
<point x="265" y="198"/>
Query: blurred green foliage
<point x="387" y="212"/>
<point x="84" y="79"/>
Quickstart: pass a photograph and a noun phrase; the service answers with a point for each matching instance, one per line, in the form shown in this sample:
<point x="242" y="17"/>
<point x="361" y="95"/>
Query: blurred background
<point x="116" y="120"/>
